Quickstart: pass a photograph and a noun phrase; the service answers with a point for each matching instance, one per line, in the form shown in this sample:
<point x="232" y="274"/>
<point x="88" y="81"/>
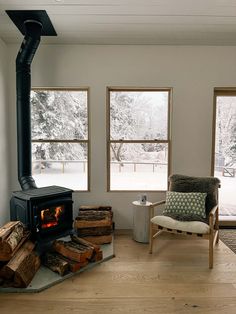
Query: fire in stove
<point x="50" y="217"/>
<point x="47" y="212"/>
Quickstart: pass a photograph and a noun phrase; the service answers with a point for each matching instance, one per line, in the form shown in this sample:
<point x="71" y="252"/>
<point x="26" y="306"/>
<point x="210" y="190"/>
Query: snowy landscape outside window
<point x="138" y="139"/>
<point x="60" y="140"/>
<point x="224" y="150"/>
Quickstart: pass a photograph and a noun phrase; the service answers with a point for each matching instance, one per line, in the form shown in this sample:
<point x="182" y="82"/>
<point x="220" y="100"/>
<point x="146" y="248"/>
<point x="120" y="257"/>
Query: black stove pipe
<point x="24" y="59"/>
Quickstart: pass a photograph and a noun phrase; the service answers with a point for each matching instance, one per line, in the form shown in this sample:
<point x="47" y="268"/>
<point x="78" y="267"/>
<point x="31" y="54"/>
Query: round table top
<point x="137" y="203"/>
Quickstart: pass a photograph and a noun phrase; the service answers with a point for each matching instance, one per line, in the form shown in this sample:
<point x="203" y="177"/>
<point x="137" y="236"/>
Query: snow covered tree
<point x="137" y="115"/>
<point x="226" y="131"/>
<point x="59" y="115"/>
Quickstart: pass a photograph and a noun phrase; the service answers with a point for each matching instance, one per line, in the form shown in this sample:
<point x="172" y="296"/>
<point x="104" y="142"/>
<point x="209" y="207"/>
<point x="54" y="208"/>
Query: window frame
<point x="154" y="141"/>
<point x="218" y="92"/>
<point x="77" y="141"/>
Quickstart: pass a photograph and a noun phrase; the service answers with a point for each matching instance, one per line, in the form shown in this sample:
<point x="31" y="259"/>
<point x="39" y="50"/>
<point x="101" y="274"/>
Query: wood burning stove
<point x="46" y="212"/>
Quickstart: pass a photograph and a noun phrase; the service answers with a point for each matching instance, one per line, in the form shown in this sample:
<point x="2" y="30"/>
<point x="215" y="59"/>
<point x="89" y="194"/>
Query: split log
<point x="13" y="239"/>
<point x="54" y="262"/>
<point x="106" y="208"/>
<point x="20" y="270"/>
<point x="72" y="250"/>
<point x="88" y="219"/>
<point x="97" y="252"/>
<point x="6" y="254"/>
<point x="27" y="270"/>
<point x="95" y="231"/>
<point x="82" y="248"/>
<point x="7" y="229"/>
<point x="94" y="215"/>
<point x="95" y="208"/>
<point x="11" y="235"/>
<point x="74" y="266"/>
<point x="8" y="271"/>
<point x="105" y="239"/>
<point x="93" y="246"/>
<point x="98" y="256"/>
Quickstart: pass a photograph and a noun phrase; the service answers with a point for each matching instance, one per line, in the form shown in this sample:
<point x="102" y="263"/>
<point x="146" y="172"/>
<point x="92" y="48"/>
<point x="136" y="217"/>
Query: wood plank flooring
<point x="174" y="279"/>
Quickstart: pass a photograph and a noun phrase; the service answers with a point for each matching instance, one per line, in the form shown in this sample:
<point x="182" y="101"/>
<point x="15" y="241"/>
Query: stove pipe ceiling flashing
<point x="33" y="25"/>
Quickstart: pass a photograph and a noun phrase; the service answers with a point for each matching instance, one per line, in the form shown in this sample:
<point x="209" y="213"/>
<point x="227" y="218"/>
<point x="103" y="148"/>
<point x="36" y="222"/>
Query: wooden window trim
<point x="218" y="91"/>
<point x="154" y="141"/>
<point x="86" y="141"/>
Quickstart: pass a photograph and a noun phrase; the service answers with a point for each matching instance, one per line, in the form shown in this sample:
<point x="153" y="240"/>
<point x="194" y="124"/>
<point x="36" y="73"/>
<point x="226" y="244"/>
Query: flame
<point x="51" y="224"/>
<point x="42" y="214"/>
<point x="58" y="212"/>
<point x="55" y="217"/>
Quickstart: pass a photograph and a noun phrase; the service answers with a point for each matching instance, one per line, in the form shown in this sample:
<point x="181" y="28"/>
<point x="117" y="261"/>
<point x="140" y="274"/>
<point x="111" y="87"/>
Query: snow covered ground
<point x="227" y="192"/>
<point x="74" y="177"/>
<point x="145" y="178"/>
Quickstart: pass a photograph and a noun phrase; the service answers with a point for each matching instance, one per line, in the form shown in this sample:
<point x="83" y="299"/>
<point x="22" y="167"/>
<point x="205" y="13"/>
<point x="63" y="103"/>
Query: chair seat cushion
<point x="188" y="226"/>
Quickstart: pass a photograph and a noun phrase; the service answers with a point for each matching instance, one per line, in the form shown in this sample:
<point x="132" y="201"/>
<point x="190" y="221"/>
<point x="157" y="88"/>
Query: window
<point x="60" y="139"/>
<point x="224" y="150"/>
<point x="138" y="139"/>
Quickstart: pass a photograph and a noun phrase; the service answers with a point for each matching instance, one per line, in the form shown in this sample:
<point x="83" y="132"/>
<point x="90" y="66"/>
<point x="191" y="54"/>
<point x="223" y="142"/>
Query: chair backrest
<point x="209" y="185"/>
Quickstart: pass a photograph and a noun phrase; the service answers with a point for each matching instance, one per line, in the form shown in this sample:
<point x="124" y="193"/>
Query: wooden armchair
<point x="206" y="228"/>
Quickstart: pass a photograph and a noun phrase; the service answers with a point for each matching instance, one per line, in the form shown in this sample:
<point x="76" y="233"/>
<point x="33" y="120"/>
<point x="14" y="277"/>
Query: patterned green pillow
<point x="185" y="203"/>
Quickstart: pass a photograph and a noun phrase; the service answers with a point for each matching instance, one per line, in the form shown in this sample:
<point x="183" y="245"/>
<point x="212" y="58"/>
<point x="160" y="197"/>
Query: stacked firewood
<point x="94" y="223"/>
<point x="71" y="256"/>
<point x="18" y="261"/>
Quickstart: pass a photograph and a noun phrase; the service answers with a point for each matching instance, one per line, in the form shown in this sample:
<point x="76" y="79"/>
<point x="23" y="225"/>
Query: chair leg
<point x="217" y="225"/>
<point x="150" y="238"/>
<point x="211" y="243"/>
<point x="218" y="236"/>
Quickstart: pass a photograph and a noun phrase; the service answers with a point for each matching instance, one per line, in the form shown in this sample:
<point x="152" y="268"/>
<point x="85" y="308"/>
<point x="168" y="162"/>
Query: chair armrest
<point x="213" y="211"/>
<point x="157" y="203"/>
<point x="151" y="207"/>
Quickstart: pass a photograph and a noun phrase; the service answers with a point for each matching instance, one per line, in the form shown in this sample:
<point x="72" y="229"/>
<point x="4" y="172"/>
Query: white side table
<point x="141" y="221"/>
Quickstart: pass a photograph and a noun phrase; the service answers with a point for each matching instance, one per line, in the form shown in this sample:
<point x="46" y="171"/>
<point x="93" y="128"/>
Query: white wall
<point x="192" y="71"/>
<point x="4" y="154"/>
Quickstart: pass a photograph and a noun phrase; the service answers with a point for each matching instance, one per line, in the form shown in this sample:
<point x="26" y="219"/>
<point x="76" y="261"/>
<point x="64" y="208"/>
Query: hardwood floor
<point x="174" y="279"/>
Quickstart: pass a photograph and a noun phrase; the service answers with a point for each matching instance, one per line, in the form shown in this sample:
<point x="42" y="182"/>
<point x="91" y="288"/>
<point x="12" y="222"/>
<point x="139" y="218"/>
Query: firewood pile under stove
<point x="20" y="259"/>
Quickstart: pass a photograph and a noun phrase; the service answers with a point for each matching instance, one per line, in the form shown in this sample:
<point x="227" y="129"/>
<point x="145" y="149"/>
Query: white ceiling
<point x="168" y="22"/>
